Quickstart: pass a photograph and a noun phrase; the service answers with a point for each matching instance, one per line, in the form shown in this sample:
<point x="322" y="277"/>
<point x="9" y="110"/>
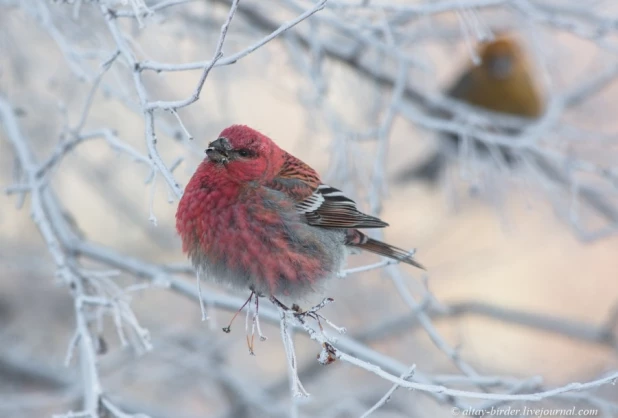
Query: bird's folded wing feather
<point x="321" y="205"/>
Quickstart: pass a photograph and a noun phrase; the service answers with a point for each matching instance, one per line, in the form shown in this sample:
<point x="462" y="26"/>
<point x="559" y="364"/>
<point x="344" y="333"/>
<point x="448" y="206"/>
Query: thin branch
<point x="175" y="105"/>
<point x="387" y="395"/>
<point x="232" y="59"/>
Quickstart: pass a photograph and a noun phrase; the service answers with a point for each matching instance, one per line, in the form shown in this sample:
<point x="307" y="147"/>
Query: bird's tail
<point x="357" y="239"/>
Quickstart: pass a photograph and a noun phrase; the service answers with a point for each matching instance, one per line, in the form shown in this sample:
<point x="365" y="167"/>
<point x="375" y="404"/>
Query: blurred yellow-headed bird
<point x="502" y="82"/>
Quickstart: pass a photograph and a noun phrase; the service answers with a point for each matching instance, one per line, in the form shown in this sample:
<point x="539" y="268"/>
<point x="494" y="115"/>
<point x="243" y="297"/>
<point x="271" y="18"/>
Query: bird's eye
<point x="244" y="152"/>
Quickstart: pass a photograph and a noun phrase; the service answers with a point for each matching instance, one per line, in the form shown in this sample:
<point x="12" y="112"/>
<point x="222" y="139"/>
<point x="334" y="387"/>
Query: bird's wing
<point x="330" y="208"/>
<point x="320" y="204"/>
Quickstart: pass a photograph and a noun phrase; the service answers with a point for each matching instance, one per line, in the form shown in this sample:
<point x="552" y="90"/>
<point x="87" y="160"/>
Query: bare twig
<point x="387" y="396"/>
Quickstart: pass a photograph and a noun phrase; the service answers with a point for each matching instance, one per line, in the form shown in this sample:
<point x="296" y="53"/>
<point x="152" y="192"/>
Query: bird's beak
<point x="217" y="151"/>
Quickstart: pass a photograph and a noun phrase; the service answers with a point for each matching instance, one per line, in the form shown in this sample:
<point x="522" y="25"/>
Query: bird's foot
<point x="312" y="313"/>
<point x="329" y="353"/>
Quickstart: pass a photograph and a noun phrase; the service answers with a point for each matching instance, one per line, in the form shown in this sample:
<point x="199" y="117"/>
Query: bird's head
<point x="244" y="153"/>
<point x="501" y="57"/>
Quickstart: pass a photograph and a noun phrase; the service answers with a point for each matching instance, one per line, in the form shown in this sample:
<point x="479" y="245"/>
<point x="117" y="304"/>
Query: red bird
<point x="255" y="217"/>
